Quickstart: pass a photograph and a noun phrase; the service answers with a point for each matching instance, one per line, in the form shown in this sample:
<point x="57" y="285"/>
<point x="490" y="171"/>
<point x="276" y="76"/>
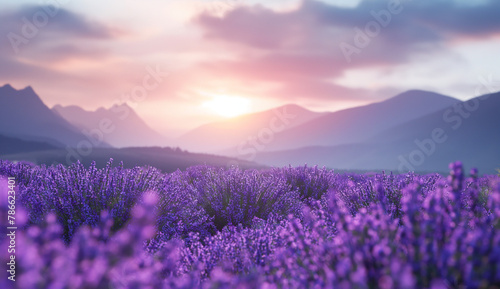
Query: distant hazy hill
<point x="9" y="145"/>
<point x="128" y="129"/>
<point x="30" y="131"/>
<point x="165" y="159"/>
<point x="360" y="123"/>
<point x="23" y="115"/>
<point x="416" y="130"/>
<point x="472" y="136"/>
<point x="223" y="135"/>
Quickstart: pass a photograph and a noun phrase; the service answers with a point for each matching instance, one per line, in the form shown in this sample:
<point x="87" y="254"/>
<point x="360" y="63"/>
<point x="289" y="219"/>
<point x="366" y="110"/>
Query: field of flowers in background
<point x="295" y="227"/>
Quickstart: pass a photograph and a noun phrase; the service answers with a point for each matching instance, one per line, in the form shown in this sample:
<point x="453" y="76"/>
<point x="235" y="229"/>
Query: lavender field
<point x="163" y="144"/>
<point x="291" y="227"/>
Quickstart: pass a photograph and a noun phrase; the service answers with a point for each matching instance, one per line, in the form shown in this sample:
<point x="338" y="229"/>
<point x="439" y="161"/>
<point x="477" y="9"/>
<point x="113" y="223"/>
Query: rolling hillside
<point x="358" y="124"/>
<point x="165" y="159"/>
<point x="423" y="144"/>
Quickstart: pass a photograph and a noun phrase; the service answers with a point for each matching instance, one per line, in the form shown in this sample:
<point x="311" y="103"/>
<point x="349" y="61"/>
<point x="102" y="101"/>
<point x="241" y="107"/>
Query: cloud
<point x="417" y="21"/>
<point x="304" y="45"/>
<point x="277" y="67"/>
<point x="55" y="20"/>
<point x="321" y="90"/>
<point x="254" y="26"/>
<point x="36" y="37"/>
<point x="34" y="28"/>
<point x="290" y="54"/>
<point x="48" y="46"/>
<point x="62" y="52"/>
<point x="479" y="20"/>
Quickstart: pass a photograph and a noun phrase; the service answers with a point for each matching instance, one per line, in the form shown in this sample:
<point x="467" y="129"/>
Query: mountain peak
<point x="28" y="89"/>
<point x="124" y="104"/>
<point x="124" y="120"/>
<point x="101" y="110"/>
<point x="421" y="97"/>
<point x="293" y="106"/>
<point x="71" y="108"/>
<point x="418" y="93"/>
<point x="8" y="87"/>
<point x="26" y="95"/>
<point x="34" y="120"/>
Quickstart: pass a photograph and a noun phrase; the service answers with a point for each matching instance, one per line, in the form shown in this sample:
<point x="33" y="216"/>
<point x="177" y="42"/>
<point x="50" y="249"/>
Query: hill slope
<point x="10" y="145"/>
<point x="360" y="123"/>
<point x="165" y="159"/>
<point x="23" y="115"/>
<point x="427" y="143"/>
<point x="122" y="126"/>
<point x="223" y="135"/>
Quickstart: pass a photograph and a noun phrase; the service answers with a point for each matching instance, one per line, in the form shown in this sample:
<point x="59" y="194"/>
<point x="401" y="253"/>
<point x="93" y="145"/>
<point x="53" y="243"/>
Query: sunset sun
<point x="228" y="106"/>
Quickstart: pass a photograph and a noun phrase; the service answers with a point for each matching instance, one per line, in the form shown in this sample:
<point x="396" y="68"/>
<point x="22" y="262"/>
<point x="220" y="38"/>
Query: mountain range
<point x="24" y="116"/>
<point x="358" y="124"/>
<point x="413" y="131"/>
<point x="122" y="120"/>
<point x="353" y="125"/>
<point x="467" y="131"/>
<point x="223" y="136"/>
<point x="31" y="131"/>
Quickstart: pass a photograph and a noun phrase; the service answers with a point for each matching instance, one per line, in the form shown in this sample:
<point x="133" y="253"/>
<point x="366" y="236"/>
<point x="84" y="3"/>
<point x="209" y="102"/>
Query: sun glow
<point x="228" y="106"/>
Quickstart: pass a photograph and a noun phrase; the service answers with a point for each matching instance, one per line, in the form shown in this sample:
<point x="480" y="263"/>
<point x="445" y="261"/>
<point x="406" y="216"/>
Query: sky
<point x="181" y="63"/>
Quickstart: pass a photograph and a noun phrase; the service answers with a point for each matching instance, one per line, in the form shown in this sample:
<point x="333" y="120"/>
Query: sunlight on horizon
<point x="227" y="106"/>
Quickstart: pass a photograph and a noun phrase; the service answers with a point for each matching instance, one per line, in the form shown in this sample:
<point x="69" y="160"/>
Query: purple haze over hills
<point x="347" y="126"/>
<point x="23" y="115"/>
<point x="32" y="132"/>
<point x="358" y="124"/>
<point x="9" y="145"/>
<point x="393" y="134"/>
<point x="125" y="128"/>
<point x="423" y="144"/>
<point x="223" y="135"/>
